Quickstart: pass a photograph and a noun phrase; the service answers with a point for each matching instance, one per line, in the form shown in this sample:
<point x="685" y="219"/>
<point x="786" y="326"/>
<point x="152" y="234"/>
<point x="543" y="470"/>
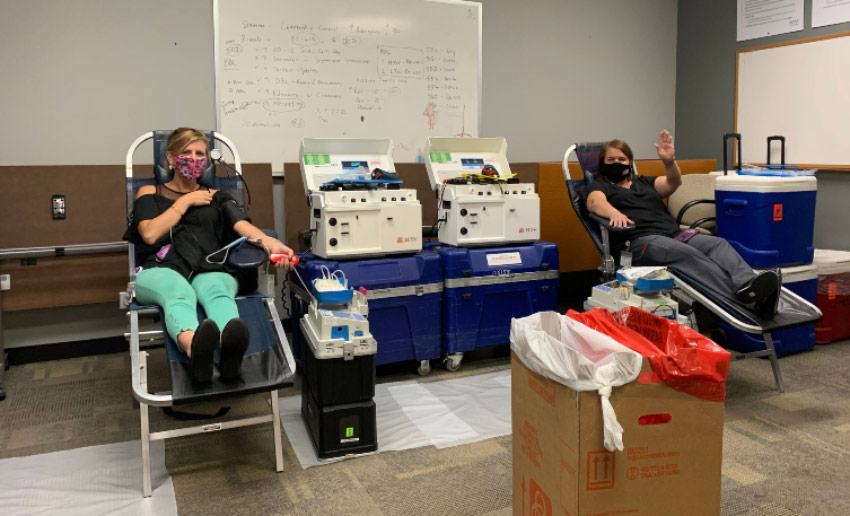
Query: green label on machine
<point x="349" y="432"/>
<point x="317" y="159"/>
<point x="441" y="157"/>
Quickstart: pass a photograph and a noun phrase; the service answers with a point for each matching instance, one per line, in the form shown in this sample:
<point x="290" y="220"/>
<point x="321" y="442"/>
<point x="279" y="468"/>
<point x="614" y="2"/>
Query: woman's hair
<point x="619" y="145"/>
<point x="182" y="137"/>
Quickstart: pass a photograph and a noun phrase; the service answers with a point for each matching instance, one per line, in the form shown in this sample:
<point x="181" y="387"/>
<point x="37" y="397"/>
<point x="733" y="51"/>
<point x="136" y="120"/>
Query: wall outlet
<point x="5" y="282"/>
<point x="58" y="204"/>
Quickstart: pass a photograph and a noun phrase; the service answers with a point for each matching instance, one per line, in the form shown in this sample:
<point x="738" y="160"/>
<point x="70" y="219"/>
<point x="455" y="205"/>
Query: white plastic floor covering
<point x="411" y="414"/>
<point x="107" y="479"/>
<point x="92" y="481"/>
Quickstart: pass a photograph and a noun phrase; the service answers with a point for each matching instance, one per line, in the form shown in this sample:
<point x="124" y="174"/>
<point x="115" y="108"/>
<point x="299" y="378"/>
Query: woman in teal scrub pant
<point x="177" y="227"/>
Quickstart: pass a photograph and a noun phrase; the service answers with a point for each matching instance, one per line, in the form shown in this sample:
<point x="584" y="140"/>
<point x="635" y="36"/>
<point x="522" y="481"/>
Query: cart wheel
<point x="424" y="368"/>
<point x="453" y="361"/>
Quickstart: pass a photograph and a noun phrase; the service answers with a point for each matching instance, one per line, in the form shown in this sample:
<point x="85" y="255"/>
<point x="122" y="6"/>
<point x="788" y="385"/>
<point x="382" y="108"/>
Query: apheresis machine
<point x="479" y="201"/>
<point x="336" y="326"/>
<point x="358" y="208"/>
<point x="647" y="288"/>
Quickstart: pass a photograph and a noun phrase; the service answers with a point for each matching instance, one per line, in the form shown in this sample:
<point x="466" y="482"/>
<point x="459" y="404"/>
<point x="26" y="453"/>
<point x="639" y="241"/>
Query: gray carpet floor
<point x="783" y="454"/>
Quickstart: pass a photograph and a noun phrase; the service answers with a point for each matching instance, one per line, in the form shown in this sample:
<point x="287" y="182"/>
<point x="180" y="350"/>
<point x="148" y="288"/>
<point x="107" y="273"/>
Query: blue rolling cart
<point x="486" y="287"/>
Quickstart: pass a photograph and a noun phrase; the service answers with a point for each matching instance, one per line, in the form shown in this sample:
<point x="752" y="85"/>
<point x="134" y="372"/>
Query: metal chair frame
<point x="139" y="357"/>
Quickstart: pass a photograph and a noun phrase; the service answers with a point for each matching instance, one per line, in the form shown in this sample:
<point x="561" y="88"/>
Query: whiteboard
<point x="801" y="91"/>
<point x="403" y="69"/>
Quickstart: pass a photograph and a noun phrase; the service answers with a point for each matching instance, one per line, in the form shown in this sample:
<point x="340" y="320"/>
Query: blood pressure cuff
<point x="247" y="256"/>
<point x="231" y="212"/>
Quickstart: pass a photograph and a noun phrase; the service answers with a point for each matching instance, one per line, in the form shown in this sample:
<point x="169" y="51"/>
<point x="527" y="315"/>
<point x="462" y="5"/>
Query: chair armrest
<point x="688" y="205"/>
<point x="606" y="223"/>
<point x="702" y="221"/>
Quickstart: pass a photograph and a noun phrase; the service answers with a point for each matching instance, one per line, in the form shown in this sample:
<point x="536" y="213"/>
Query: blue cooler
<point x="486" y="287"/>
<point x="405" y="296"/>
<point x="768" y="219"/>
<point x="803" y="281"/>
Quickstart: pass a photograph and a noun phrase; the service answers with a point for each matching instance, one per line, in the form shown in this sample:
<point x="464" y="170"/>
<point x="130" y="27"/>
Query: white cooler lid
<point x="829" y="261"/>
<point x="764" y="184"/>
<point x="448" y="158"/>
<point x="325" y="159"/>
<point x="799" y="273"/>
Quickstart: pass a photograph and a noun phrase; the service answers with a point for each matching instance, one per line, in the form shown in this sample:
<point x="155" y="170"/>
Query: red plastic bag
<point x="680" y="357"/>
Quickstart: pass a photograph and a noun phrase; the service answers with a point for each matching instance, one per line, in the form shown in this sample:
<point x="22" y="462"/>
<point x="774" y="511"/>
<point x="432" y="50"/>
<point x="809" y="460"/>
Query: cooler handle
<point x="735" y="207"/>
<point x="782" y="148"/>
<point x="726" y="137"/>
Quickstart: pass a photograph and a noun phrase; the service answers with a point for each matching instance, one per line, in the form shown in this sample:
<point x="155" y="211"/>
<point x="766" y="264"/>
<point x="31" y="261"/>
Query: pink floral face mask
<point x="190" y="168"/>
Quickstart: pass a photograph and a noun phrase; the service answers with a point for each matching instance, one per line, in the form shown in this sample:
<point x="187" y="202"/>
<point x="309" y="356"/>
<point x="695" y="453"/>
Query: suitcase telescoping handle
<point x="726" y="137"/>
<point x="782" y="148"/>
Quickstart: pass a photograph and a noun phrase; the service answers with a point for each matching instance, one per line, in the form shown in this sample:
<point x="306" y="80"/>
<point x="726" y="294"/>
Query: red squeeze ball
<point x="277" y="257"/>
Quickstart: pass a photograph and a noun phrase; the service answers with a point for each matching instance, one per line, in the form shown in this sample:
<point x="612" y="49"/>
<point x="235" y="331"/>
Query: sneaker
<point x="234" y="343"/>
<point x="760" y="288"/>
<point x="204" y="343"/>
<point x="769" y="306"/>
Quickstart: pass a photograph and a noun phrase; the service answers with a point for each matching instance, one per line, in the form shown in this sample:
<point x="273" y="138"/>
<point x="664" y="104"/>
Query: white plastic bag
<point x="570" y="353"/>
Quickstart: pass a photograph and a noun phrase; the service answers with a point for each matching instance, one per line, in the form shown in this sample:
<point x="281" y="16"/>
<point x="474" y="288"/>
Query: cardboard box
<point x="670" y="464"/>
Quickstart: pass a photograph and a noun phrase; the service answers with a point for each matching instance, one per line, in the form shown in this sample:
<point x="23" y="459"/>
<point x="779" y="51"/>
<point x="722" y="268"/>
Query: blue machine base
<point x="483" y="318"/>
<point x="406" y="328"/>
<point x="479" y="315"/>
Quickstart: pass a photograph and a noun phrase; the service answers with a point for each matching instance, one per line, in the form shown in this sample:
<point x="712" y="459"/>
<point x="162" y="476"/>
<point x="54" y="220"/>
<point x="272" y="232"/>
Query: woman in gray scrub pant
<point x="627" y="199"/>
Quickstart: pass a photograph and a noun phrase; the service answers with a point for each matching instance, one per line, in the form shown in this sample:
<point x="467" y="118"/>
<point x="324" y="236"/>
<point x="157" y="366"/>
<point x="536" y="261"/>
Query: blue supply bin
<point x="768" y="219"/>
<point x="405" y="296"/>
<point x="486" y="287"/>
<point x="803" y="281"/>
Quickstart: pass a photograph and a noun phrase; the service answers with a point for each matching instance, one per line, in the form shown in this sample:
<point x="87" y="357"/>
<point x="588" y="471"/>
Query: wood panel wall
<point x="95" y="212"/>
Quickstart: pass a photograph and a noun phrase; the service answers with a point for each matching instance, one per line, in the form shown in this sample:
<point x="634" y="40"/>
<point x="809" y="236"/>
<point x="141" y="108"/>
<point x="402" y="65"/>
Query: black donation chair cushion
<point x="264" y="367"/>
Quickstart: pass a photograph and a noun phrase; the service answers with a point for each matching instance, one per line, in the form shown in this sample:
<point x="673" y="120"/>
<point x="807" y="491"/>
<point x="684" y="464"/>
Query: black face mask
<point x="615" y="172"/>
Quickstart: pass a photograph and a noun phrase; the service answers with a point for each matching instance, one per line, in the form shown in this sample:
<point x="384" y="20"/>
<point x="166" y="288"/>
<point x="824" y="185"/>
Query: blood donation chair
<point x="268" y="364"/>
<point x="793" y="310"/>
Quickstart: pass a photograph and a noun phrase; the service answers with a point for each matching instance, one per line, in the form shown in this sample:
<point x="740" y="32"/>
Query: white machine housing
<point x="339" y="331"/>
<point x="476" y="214"/>
<point x="348" y="223"/>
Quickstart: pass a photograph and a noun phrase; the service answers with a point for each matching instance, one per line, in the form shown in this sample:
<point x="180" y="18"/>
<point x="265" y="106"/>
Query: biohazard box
<point x="669" y="466"/>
